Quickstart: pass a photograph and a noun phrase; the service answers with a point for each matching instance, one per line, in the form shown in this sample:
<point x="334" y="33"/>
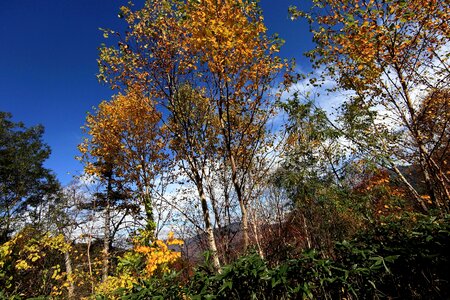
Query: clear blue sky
<point x="48" y="52"/>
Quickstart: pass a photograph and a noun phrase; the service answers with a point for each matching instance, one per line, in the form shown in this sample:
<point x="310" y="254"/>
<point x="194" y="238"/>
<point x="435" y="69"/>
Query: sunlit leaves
<point x="158" y="255"/>
<point x="228" y="35"/>
<point x="125" y="135"/>
<point x="209" y="65"/>
<point x="33" y="253"/>
<point x="363" y="39"/>
<point x="141" y="263"/>
<point x="390" y="54"/>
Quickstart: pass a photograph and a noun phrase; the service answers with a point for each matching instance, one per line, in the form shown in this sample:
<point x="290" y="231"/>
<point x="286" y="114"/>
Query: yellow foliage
<point x="22" y="265"/>
<point x="27" y="254"/>
<point x="112" y="283"/>
<point x="158" y="257"/>
<point x="120" y="131"/>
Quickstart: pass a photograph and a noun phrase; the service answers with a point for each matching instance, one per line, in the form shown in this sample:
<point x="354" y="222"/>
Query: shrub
<point x="406" y="258"/>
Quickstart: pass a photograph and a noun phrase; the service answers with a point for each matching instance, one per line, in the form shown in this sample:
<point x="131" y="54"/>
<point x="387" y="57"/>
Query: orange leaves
<point x="171" y="240"/>
<point x="381" y="178"/>
<point x="386" y="197"/>
<point x="209" y="39"/>
<point x="365" y="33"/>
<point x="223" y="38"/>
<point x="158" y="255"/>
<point x="124" y="135"/>
<point x="209" y="64"/>
<point x="226" y="33"/>
<point x="426" y="198"/>
<point x="158" y="258"/>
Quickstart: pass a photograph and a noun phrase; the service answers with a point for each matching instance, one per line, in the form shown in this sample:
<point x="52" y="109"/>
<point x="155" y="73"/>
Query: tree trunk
<point x="441" y="181"/>
<point x="244" y="226"/>
<point x="208" y="228"/>
<point x="151" y="224"/>
<point x="69" y="271"/>
<point x="242" y="204"/>
<point x="305" y="226"/>
<point x="256" y="235"/>
<point x="107" y="233"/>
<point x="234" y="178"/>
<point x="411" y="189"/>
<point x="88" y="251"/>
<point x="427" y="176"/>
<point x="431" y="171"/>
<point x="106" y="239"/>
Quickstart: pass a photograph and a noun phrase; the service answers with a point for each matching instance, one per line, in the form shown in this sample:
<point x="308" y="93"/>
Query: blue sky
<point x="48" y="52"/>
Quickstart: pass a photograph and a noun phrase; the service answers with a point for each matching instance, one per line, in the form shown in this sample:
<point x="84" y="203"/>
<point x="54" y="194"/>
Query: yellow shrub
<point x="30" y="255"/>
<point x="141" y="263"/>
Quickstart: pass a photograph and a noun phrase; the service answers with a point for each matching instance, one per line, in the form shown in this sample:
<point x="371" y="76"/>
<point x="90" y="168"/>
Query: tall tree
<point x="153" y="56"/>
<point x="238" y="66"/>
<point x="193" y="125"/>
<point x="126" y="137"/>
<point x="24" y="181"/>
<point x="125" y="150"/>
<point x="390" y="53"/>
<point x="221" y="50"/>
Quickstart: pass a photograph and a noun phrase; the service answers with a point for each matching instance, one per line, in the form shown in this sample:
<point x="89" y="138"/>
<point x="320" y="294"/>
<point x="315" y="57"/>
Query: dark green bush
<point x="402" y="259"/>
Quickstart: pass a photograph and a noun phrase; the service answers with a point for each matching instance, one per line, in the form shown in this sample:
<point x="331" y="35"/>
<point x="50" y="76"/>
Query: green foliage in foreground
<point x="397" y="260"/>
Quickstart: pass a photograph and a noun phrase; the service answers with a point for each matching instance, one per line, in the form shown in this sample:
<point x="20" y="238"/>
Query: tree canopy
<point x="25" y="182"/>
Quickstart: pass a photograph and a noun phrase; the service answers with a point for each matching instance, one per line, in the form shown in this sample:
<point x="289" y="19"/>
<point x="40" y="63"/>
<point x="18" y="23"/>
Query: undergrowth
<point x="399" y="259"/>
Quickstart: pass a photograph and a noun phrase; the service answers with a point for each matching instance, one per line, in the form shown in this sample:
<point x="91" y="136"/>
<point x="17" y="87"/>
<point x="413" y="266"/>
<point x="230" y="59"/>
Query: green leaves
<point x="384" y="261"/>
<point x="23" y="177"/>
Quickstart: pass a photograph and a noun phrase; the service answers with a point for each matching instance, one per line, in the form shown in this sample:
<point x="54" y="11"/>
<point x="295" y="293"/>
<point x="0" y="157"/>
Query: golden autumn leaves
<point x="196" y="77"/>
<point x="158" y="257"/>
<point x="202" y="39"/>
<point x="363" y="38"/>
<point x="24" y="253"/>
<point x="217" y="48"/>
<point x="393" y="55"/>
<point x="125" y="133"/>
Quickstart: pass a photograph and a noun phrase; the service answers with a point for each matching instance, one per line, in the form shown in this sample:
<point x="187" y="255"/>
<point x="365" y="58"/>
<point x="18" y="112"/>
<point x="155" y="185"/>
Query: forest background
<point x="332" y="183"/>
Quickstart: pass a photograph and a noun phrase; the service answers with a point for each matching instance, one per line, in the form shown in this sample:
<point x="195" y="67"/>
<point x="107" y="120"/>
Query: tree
<point x="193" y="126"/>
<point x="218" y="48"/>
<point x="24" y="182"/>
<point x="312" y="155"/>
<point x="126" y="134"/>
<point x="312" y="173"/>
<point x="159" y="64"/>
<point x="433" y="118"/>
<point x="125" y="149"/>
<point x="390" y="53"/>
<point x="237" y="62"/>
